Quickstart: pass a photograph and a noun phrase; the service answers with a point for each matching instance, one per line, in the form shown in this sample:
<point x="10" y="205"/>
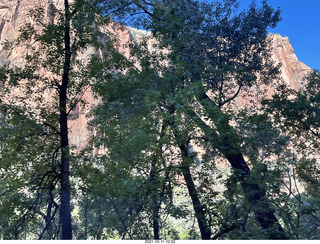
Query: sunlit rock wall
<point x="14" y="14"/>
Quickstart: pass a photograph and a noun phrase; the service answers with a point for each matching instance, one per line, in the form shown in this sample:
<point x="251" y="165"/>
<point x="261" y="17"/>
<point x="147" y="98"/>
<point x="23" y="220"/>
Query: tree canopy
<point x="173" y="152"/>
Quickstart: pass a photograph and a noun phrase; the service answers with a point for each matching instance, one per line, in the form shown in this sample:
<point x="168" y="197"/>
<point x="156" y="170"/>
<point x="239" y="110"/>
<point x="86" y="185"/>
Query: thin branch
<point x="231" y="98"/>
<point x="74" y="104"/>
<point x="52" y="127"/>
<point x="121" y="220"/>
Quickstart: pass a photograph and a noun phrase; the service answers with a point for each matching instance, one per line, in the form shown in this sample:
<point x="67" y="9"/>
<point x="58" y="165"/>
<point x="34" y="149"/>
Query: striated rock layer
<point x="14" y="14"/>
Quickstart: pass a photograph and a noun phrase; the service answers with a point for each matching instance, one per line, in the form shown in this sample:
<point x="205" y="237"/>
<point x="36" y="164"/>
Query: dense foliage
<point x="173" y="153"/>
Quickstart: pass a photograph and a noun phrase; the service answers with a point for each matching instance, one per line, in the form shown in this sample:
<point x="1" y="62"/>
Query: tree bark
<point x="155" y="221"/>
<point x="155" y="200"/>
<point x="264" y="214"/>
<point x="65" y="208"/>
<point x="204" y="227"/>
<point x="198" y="208"/>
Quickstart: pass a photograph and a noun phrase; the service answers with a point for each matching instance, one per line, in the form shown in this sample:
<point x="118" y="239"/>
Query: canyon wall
<point x="293" y="72"/>
<point x="14" y="14"/>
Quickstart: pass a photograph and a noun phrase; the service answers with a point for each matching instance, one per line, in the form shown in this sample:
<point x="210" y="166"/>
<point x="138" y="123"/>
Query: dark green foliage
<point x="298" y="111"/>
<point x="165" y="129"/>
<point x="167" y="93"/>
<point x="296" y="114"/>
<point x="28" y="196"/>
<point x="36" y="100"/>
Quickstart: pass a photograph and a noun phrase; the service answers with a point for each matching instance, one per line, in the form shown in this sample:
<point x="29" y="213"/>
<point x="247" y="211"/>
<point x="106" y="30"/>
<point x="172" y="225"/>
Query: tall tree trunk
<point x="198" y="208"/>
<point x="65" y="208"/>
<point x="155" y="220"/>
<point x="155" y="199"/>
<point x="204" y="227"/>
<point x="264" y="214"/>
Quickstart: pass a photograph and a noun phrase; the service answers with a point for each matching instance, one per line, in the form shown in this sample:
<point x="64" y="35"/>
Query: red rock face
<point x="14" y="14"/>
<point x="293" y="72"/>
<point x="79" y="133"/>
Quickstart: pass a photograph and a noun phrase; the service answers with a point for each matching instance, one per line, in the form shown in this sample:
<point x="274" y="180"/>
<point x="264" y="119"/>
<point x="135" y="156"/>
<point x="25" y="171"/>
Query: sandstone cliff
<point x="14" y="13"/>
<point x="292" y="70"/>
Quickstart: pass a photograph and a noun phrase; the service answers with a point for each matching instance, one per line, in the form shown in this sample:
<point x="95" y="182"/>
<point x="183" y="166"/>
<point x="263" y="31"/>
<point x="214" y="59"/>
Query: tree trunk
<point x="264" y="214"/>
<point x="185" y="169"/>
<point x="65" y="208"/>
<point x="198" y="208"/>
<point x="155" y="200"/>
<point x="155" y="222"/>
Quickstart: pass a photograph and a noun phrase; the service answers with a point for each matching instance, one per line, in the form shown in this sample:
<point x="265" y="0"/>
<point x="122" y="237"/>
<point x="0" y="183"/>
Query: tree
<point x="296" y="114"/>
<point x="154" y="106"/>
<point x="207" y="49"/>
<point x="213" y="49"/>
<point x="128" y="125"/>
<point x="37" y="100"/>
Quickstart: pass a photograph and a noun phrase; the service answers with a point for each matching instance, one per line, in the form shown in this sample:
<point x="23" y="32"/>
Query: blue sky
<point x="301" y="23"/>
